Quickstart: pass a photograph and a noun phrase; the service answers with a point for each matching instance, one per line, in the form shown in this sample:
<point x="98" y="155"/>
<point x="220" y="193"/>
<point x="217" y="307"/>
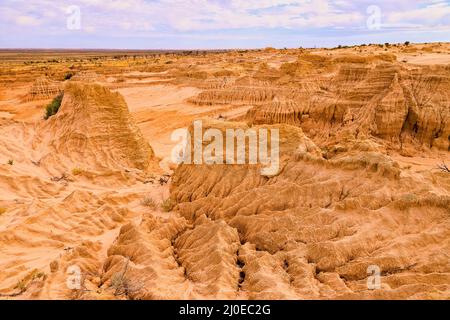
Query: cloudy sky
<point x="206" y="24"/>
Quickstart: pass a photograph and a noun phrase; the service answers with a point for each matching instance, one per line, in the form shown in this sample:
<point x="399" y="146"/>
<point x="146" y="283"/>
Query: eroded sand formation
<point x="362" y="132"/>
<point x="93" y="128"/>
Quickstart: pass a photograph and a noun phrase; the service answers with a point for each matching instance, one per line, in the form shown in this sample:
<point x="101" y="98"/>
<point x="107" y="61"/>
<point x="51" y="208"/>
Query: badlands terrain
<point x="91" y="206"/>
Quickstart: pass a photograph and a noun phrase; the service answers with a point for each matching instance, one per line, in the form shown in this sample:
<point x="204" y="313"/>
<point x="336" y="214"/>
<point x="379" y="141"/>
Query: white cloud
<point x="434" y="12"/>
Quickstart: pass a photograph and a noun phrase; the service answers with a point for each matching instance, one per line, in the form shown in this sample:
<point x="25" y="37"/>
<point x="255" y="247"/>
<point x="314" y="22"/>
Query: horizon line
<point x="217" y="49"/>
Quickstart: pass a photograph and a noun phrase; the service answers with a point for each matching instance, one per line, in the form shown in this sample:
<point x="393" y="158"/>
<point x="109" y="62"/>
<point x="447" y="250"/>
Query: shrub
<point x="167" y="205"/>
<point x="148" y="202"/>
<point x="119" y="283"/>
<point x="11" y="162"/>
<point x="122" y="285"/>
<point x="24" y="283"/>
<point x="407" y="43"/>
<point x="21" y="285"/>
<point x="53" y="107"/>
<point x="444" y="168"/>
<point x="77" y="171"/>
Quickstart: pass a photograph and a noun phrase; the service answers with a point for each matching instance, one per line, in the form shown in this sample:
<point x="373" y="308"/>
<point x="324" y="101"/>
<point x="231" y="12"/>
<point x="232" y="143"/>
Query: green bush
<point x="53" y="107"/>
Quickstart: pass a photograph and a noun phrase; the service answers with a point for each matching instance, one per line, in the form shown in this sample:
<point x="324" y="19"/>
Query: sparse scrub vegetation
<point x="122" y="285"/>
<point x="53" y="107"/>
<point x="23" y="284"/>
<point x="119" y="284"/>
<point x="11" y="162"/>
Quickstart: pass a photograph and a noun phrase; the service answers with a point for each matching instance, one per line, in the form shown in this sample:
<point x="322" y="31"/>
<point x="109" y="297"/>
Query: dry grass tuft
<point x="122" y="285"/>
